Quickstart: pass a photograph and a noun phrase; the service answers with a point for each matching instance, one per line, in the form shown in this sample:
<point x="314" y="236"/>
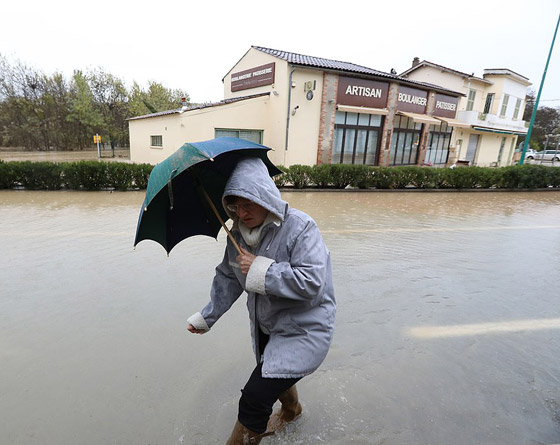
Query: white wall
<point x="195" y="126"/>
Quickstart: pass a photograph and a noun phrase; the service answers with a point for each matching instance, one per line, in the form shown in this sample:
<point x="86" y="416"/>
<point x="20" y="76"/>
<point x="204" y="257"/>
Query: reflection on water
<point x="447" y="328"/>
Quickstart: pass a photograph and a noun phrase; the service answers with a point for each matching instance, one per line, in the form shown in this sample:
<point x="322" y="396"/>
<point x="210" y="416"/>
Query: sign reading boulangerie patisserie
<point x="412" y="100"/>
<point x="362" y="93"/>
<point x="445" y="106"/>
<point x="253" y="78"/>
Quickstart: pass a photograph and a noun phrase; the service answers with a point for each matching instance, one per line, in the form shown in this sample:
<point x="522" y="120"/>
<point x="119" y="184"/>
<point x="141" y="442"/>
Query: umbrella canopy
<point x="180" y="187"/>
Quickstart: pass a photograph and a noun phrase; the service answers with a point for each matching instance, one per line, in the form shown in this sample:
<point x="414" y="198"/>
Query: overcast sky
<point x="191" y="45"/>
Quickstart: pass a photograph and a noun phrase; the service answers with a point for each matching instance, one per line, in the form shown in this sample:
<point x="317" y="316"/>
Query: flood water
<point x="447" y="330"/>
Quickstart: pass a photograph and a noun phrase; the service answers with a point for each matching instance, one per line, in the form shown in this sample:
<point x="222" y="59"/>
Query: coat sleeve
<point x="226" y="289"/>
<point x="302" y="277"/>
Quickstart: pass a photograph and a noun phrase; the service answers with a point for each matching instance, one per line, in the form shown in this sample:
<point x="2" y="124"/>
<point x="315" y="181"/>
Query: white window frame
<point x="470" y="99"/>
<point x="505" y="102"/>
<point x="488" y="103"/>
<point x="156" y="141"/>
<point x="517" y="108"/>
<point x="237" y="132"/>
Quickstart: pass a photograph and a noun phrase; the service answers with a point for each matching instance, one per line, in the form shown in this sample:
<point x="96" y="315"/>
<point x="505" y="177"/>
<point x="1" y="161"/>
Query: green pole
<point x="526" y="144"/>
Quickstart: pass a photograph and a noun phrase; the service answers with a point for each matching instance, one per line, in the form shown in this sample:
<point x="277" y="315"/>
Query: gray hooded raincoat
<point x="289" y="284"/>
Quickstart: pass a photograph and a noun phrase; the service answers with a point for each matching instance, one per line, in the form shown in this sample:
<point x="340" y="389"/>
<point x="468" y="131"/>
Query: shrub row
<point x="94" y="175"/>
<point x="338" y="176"/>
<point x="87" y="175"/>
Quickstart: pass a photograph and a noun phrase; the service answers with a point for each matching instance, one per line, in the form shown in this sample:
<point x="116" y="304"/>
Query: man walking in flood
<point x="285" y="268"/>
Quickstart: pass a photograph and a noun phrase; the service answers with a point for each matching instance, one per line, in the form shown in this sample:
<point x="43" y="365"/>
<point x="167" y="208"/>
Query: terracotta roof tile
<point x="336" y="65"/>
<point x="199" y="107"/>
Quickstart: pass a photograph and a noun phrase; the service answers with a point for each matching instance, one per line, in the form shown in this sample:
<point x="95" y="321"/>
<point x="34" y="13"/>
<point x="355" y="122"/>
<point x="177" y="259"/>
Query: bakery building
<point x="490" y="110"/>
<point x="312" y="110"/>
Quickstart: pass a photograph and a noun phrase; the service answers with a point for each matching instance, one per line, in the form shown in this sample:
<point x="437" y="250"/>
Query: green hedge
<point x="339" y="176"/>
<point x="86" y="175"/>
<point x="94" y="175"/>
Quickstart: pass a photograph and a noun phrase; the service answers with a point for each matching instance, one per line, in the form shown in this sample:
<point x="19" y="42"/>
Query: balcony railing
<point x="492" y="121"/>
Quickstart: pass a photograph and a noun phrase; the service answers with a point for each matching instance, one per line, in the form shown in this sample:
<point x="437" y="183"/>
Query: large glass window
<point x="437" y="151"/>
<point x="249" y="135"/>
<point x="470" y="100"/>
<point x="405" y="141"/>
<point x="356" y="138"/>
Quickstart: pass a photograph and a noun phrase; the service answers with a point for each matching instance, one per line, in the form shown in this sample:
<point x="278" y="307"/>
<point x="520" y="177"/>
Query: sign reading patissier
<point x="445" y="106"/>
<point x="362" y="93"/>
<point x="412" y="100"/>
<point x="253" y="78"/>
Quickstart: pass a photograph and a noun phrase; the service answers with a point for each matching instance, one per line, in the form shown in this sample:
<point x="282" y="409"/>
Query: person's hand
<point x="245" y="260"/>
<point x="193" y="330"/>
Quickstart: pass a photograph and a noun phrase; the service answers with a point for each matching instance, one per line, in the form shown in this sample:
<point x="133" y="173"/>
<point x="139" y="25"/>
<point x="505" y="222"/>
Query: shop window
<point x="249" y="135"/>
<point x="405" y="141"/>
<point x="156" y="140"/>
<point x="437" y="151"/>
<point x="504" y="105"/>
<point x="356" y="138"/>
<point x="470" y="100"/>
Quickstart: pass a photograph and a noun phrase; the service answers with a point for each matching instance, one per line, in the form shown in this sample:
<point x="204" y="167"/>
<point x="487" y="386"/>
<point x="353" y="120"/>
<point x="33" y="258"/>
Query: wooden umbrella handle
<point x="215" y="210"/>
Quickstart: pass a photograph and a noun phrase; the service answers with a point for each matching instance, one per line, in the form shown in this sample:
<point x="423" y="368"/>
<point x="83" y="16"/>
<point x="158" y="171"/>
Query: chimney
<point x="415" y="61"/>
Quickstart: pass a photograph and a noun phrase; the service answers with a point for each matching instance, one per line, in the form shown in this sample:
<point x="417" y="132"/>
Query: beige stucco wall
<point x="252" y="59"/>
<point x="198" y="125"/>
<point x="274" y="120"/>
<point x="488" y="147"/>
<point x="436" y="76"/>
<point x="453" y="82"/>
<point x="140" y="131"/>
<point x="304" y="124"/>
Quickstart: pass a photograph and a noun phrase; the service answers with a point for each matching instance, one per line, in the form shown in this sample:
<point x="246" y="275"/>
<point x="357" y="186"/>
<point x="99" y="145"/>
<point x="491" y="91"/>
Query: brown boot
<point x="244" y="436"/>
<point x="291" y="408"/>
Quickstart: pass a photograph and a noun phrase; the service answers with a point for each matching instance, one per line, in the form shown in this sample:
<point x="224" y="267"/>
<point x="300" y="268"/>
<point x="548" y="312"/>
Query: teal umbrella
<point x="184" y="193"/>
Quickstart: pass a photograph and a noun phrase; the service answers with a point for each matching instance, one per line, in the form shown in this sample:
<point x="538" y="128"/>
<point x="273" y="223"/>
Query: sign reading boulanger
<point x="362" y="93"/>
<point x="253" y="78"/>
<point x="412" y="100"/>
<point x="445" y="106"/>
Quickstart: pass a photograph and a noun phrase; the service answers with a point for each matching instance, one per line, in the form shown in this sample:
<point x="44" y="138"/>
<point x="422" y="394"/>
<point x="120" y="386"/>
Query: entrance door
<point x="471" y="149"/>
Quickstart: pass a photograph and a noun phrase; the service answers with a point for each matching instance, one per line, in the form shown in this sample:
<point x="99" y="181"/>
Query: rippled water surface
<point x="447" y="331"/>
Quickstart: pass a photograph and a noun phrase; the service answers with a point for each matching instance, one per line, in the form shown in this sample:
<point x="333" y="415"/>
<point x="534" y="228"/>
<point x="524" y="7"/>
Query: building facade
<point x="313" y="111"/>
<point x="491" y="110"/>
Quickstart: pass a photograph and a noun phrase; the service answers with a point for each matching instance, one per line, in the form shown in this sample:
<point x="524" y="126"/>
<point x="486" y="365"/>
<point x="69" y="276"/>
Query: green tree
<point x="154" y="99"/>
<point x="85" y="117"/>
<point x="111" y="99"/>
<point x="547" y="121"/>
<point x="50" y="112"/>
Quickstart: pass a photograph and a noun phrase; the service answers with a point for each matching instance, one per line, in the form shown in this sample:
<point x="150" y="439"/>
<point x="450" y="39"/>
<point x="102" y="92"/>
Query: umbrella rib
<point x="206" y="155"/>
<point x="170" y="189"/>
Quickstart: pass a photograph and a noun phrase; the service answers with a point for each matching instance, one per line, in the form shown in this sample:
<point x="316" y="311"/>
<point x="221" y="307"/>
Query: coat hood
<point x="250" y="180"/>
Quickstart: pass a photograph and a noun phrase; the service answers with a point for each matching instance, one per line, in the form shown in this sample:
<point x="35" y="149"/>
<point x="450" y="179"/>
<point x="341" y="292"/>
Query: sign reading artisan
<point x="362" y="93"/>
<point x="412" y="100"/>
<point x="253" y="78"/>
<point x="445" y="106"/>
